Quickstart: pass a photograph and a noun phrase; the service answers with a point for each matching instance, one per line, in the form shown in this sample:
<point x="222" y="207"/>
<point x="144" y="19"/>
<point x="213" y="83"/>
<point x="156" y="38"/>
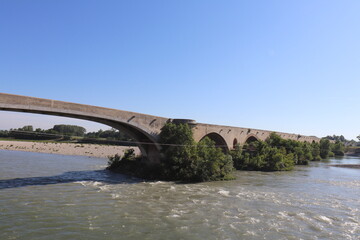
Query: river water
<point x="46" y="196"/>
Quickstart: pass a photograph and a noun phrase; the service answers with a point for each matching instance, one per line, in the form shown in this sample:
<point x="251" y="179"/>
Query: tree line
<point x="345" y="141"/>
<point x="61" y="131"/>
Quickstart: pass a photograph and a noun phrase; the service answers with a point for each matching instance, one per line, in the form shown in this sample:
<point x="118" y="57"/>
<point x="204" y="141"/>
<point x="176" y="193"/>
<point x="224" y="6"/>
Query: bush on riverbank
<point x="131" y="165"/>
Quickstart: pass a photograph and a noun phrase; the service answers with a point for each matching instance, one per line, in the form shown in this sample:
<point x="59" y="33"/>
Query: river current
<point x="48" y="196"/>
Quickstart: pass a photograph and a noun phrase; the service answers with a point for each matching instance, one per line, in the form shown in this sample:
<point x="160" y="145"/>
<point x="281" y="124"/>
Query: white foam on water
<point x="323" y="219"/>
<point x="95" y="183"/>
<point x="354" y="220"/>
<point x="234" y="225"/>
<point x="104" y="188"/>
<point x="261" y="196"/>
<point x="91" y="225"/>
<point x="283" y="214"/>
<point x="352" y="227"/>
<point x="349" y="184"/>
<point x="99" y="185"/>
<point x="195" y="201"/>
<point x="89" y="183"/>
<point x="224" y="193"/>
<point x="84" y="183"/>
<point x="115" y="195"/>
<point x="156" y="183"/>
<point x="252" y="220"/>
<point x="250" y="233"/>
<point x="229" y="214"/>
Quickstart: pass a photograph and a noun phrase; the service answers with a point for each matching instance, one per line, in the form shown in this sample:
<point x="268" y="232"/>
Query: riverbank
<point x="346" y="165"/>
<point x="353" y="151"/>
<point x="91" y="150"/>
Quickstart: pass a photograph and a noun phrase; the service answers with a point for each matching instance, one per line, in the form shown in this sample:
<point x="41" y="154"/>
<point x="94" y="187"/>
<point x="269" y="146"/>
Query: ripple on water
<point x="324" y="219"/>
<point x="88" y="204"/>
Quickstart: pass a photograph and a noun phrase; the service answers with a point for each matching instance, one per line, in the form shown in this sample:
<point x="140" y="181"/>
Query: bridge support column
<point x="152" y="155"/>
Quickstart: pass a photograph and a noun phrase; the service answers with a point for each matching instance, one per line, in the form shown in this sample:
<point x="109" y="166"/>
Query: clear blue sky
<point x="291" y="66"/>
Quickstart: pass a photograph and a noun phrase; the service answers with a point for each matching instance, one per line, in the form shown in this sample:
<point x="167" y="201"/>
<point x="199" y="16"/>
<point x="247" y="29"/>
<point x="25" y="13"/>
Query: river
<point x="48" y="196"/>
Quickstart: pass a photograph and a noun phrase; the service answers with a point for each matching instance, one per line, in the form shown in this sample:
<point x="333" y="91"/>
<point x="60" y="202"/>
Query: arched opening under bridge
<point x="145" y="142"/>
<point x="219" y="141"/>
<point x="235" y="143"/>
<point x="251" y="139"/>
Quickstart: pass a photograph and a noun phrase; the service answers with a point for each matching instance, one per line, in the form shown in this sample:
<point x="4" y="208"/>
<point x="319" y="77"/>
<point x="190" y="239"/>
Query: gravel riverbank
<point x="92" y="150"/>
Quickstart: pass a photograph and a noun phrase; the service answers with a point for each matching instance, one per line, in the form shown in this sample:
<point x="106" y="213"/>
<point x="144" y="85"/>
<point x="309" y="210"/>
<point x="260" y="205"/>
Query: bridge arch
<point x="137" y="126"/>
<point x="251" y="138"/>
<point x="146" y="143"/>
<point x="235" y="142"/>
<point x="219" y="141"/>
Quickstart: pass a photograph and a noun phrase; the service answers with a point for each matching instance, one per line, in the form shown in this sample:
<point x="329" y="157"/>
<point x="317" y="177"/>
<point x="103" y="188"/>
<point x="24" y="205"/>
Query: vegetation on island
<point x="278" y="154"/>
<point x="182" y="159"/>
<point x="185" y="160"/>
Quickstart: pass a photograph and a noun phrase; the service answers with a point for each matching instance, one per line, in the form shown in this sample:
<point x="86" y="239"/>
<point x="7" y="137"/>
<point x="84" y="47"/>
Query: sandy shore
<point x="92" y="150"/>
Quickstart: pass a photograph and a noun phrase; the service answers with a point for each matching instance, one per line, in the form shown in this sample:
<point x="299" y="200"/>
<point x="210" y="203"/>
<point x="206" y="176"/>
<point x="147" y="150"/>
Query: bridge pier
<point x="152" y="156"/>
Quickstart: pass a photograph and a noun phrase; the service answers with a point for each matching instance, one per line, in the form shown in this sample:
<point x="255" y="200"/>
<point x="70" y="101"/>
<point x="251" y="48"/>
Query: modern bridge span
<point x="143" y="128"/>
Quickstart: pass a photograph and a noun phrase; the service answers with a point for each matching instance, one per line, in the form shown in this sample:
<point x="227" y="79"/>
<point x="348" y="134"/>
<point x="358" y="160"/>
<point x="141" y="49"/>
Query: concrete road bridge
<point x="143" y="128"/>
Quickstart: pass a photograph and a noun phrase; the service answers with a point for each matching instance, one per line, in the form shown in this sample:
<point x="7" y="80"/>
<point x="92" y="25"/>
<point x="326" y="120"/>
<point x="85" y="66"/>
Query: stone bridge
<point x="143" y="128"/>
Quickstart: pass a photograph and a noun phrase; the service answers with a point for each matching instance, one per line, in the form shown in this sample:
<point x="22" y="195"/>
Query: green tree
<point x="307" y="149"/>
<point x="340" y="138"/>
<point x="315" y="151"/>
<point x="212" y="163"/>
<point x="324" y="148"/>
<point x="338" y="148"/>
<point x="185" y="160"/>
<point x="27" y="128"/>
<point x="271" y="158"/>
<point x="4" y="133"/>
<point x="275" y="154"/>
<point x="70" y="130"/>
<point x="279" y="161"/>
<point x="237" y="156"/>
<point x="179" y="160"/>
